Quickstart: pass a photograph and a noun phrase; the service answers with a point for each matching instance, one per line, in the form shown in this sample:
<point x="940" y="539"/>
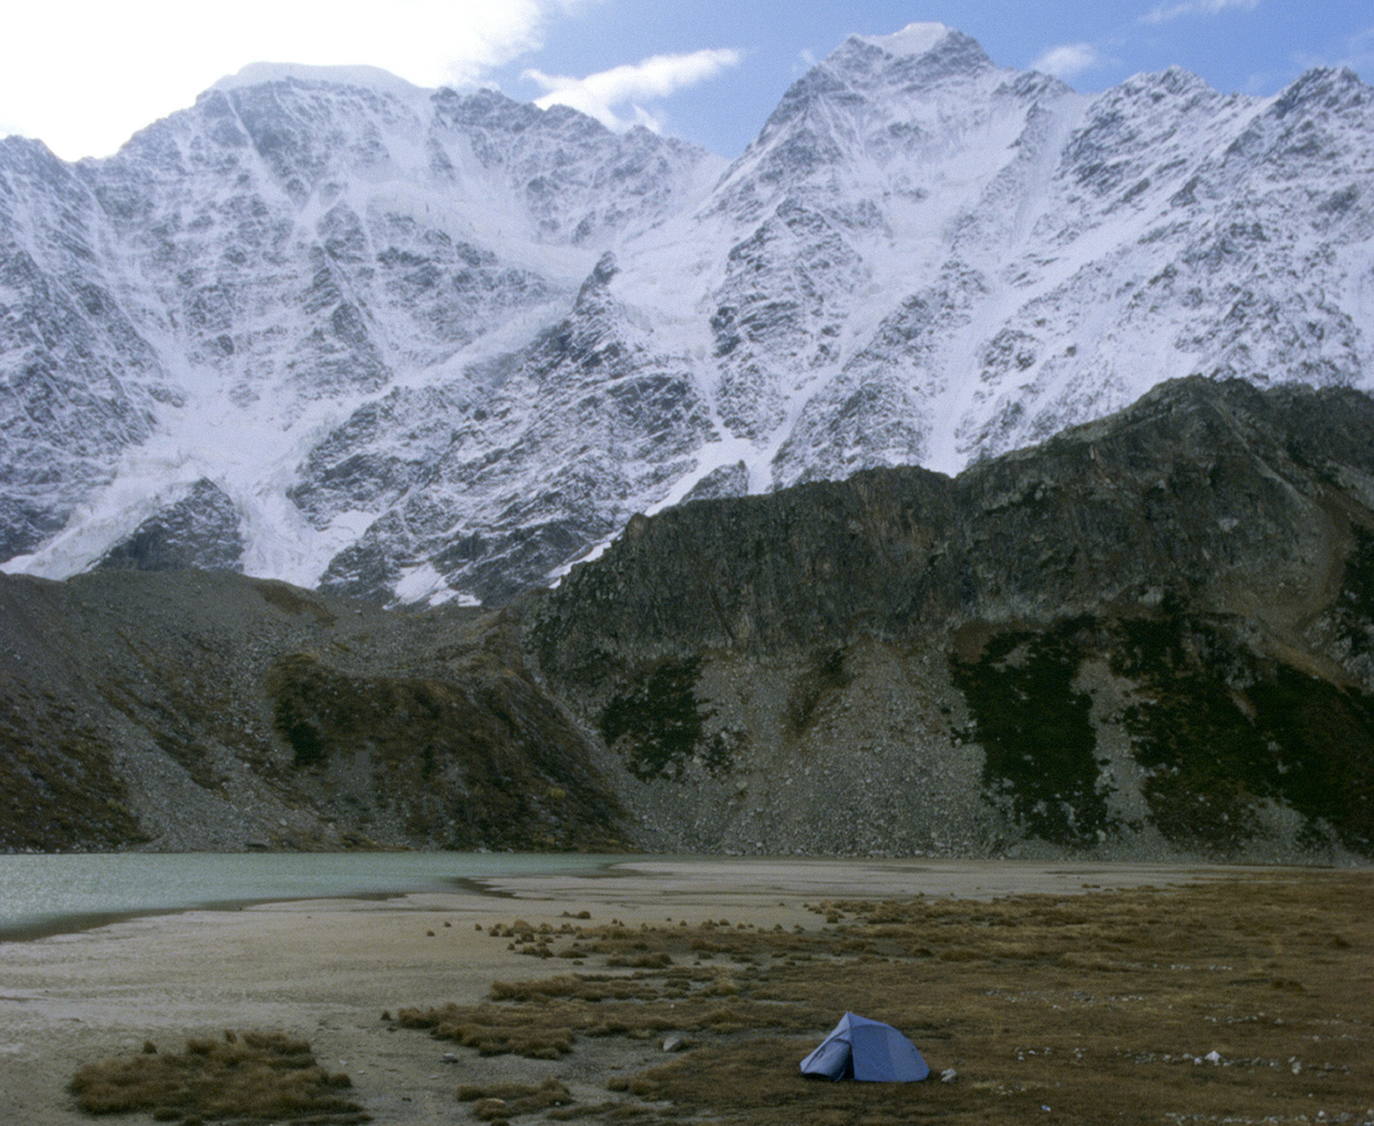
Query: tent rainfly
<point x="860" y="1048"/>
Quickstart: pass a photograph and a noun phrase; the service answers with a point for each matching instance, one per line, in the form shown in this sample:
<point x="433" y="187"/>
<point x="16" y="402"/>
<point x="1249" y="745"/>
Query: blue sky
<point x="82" y="75"/>
<point x="1252" y="46"/>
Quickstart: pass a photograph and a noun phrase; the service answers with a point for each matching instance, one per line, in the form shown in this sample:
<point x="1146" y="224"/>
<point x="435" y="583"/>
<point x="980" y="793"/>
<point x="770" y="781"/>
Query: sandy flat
<point x="326" y="969"/>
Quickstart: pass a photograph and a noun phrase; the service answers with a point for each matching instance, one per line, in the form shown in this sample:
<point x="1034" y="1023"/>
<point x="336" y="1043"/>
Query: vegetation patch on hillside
<point x="489" y="757"/>
<point x="1036" y="731"/>
<point x="293" y="600"/>
<point x="824" y="679"/>
<point x="58" y="787"/>
<point x="1355" y="604"/>
<point x="1222" y="730"/>
<point x="184" y="708"/>
<point x="658" y="724"/>
<point x="307" y="700"/>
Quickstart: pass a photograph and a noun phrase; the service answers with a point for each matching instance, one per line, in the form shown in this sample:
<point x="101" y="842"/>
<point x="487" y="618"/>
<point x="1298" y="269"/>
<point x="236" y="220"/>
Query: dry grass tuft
<point x="243" y="1076"/>
<point x="497" y="1101"/>
<point x="542" y="1019"/>
<point x="492" y="1030"/>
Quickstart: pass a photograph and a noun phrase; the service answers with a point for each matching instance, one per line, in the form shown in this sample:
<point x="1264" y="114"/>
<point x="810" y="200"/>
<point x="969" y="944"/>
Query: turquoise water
<point x="48" y="894"/>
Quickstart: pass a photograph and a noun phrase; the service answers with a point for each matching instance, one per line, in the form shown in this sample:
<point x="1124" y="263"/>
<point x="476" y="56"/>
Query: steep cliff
<point x="1154" y="634"/>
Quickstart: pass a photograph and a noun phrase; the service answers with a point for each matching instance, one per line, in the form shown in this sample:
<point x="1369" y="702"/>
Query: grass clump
<point x="543" y="1018"/>
<point x="244" y="1076"/>
<point x="495" y="1101"/>
<point x="491" y="1030"/>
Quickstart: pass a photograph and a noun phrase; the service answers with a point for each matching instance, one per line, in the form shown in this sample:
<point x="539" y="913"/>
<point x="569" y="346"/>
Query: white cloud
<point x="1068" y="59"/>
<point x="1164" y="12"/>
<point x="84" y="74"/>
<point x="601" y="95"/>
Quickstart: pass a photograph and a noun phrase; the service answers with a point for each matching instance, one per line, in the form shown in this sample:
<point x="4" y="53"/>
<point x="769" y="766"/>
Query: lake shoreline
<point x="66" y="892"/>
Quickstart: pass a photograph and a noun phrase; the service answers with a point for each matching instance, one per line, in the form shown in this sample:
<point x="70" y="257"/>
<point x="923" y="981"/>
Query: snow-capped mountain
<point x="328" y="327"/>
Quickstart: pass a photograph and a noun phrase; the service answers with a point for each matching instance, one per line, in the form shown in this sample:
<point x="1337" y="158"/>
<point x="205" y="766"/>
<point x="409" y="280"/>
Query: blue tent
<point x="860" y="1048"/>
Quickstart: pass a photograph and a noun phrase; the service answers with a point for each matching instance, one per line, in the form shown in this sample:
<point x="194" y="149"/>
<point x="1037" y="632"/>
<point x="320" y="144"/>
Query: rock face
<point x="333" y="299"/>
<point x="429" y="345"/>
<point x="200" y="530"/>
<point x="1150" y="637"/>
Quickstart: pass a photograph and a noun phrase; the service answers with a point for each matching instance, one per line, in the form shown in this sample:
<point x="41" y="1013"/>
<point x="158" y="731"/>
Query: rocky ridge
<point x="1153" y="633"/>
<point x="1150" y="637"/>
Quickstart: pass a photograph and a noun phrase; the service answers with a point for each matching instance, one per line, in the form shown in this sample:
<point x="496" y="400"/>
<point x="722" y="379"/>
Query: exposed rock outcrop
<point x="1152" y="634"/>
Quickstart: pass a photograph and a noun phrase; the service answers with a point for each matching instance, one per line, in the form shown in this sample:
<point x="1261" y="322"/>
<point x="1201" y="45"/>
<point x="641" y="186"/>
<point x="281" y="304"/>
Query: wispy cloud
<point x="617" y="97"/>
<point x="1069" y="59"/>
<point x="1163" y="13"/>
<point x="805" y="60"/>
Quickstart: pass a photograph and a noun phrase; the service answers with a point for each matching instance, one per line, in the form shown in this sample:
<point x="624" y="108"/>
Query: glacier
<point x="419" y="345"/>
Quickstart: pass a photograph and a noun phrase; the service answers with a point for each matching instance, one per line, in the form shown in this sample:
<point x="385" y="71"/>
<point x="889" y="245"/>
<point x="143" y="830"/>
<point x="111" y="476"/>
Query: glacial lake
<point x="52" y="893"/>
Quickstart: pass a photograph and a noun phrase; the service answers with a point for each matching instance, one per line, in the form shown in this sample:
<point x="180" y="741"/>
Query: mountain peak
<point x="920" y="52"/>
<point x="1178" y="79"/>
<point x="371" y="77"/>
<point x="376" y="319"/>
<point x="914" y="39"/>
<point x="1323" y="88"/>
